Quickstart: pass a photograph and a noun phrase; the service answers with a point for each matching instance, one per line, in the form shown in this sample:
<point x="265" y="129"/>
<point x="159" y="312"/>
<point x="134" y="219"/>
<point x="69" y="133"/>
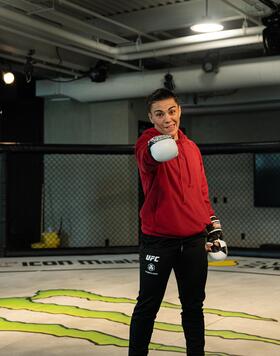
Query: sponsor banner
<point x="232" y="264"/>
<point x="67" y="262"/>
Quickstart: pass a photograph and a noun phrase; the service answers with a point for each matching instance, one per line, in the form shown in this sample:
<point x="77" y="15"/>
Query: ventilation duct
<point x="239" y="74"/>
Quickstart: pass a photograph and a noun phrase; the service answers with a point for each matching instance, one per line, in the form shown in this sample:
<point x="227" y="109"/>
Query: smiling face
<point x="165" y="115"/>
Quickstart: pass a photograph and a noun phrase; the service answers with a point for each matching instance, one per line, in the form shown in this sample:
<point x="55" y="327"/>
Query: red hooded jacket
<point x="176" y="192"/>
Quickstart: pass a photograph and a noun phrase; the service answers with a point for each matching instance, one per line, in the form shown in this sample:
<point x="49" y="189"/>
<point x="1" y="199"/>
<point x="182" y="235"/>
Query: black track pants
<point x="158" y="256"/>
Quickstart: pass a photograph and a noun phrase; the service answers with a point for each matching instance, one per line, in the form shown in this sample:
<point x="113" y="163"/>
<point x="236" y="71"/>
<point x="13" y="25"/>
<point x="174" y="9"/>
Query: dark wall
<point x="21" y="113"/>
<point x="22" y="121"/>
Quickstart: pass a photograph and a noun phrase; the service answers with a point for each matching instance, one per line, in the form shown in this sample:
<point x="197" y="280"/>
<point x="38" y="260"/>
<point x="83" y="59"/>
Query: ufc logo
<point x="152" y="258"/>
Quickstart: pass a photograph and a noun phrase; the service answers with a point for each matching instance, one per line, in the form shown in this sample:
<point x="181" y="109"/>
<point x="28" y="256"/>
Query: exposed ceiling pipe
<point x="113" y="51"/>
<point x="107" y="19"/>
<point x="230" y="108"/>
<point x="187" y="40"/>
<point x="50" y="13"/>
<point x="40" y="65"/>
<point x="270" y="4"/>
<point x="256" y="22"/>
<point x="43" y="59"/>
<point x="232" y="42"/>
<point x="95" y="31"/>
<point x="15" y="17"/>
<point x="69" y="48"/>
<point x="259" y="72"/>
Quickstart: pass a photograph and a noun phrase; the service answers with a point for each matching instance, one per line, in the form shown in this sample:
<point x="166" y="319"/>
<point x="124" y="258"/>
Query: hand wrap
<point x="215" y="240"/>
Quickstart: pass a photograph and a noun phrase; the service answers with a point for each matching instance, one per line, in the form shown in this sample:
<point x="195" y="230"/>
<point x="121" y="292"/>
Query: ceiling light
<point x="207" y="25"/>
<point x="8" y="77"/>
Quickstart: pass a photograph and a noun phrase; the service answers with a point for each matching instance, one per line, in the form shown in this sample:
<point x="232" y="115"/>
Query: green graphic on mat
<point x="49" y="293"/>
<point x="33" y="304"/>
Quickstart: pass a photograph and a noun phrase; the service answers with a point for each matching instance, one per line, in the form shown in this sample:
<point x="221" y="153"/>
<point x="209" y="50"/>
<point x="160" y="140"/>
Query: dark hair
<point x="160" y="94"/>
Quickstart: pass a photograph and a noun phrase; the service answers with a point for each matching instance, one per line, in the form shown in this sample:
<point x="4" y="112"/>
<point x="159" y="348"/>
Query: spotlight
<point x="271" y="34"/>
<point x="169" y="82"/>
<point x="8" y="77"/>
<point x="211" y="63"/>
<point x="99" y="73"/>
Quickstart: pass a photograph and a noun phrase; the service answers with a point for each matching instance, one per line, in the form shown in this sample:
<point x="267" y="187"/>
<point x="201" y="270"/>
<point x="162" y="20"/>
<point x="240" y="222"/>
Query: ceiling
<point x="69" y="38"/>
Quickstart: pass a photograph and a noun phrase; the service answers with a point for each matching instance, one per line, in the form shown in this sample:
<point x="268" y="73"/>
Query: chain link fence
<point x="91" y="200"/>
<point x="234" y="191"/>
<point x="62" y="198"/>
<point x="79" y="198"/>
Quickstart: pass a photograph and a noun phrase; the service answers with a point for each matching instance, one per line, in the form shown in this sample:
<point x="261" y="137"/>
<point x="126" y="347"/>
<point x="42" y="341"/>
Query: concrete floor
<point x="81" y="306"/>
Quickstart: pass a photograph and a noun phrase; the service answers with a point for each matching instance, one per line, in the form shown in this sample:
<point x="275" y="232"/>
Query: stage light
<point x="99" y="73"/>
<point x="8" y="78"/>
<point x="210" y="62"/>
<point x="206" y="24"/>
<point x="271" y="34"/>
<point x="169" y="82"/>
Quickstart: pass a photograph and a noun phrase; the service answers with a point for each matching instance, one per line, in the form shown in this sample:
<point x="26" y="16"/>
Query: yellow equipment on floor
<point x="49" y="239"/>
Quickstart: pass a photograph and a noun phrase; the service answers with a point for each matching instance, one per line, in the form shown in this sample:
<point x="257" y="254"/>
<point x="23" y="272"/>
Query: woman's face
<point x="165" y="115"/>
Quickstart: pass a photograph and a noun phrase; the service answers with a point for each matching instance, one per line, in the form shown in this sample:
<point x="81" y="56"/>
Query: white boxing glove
<point x="219" y="251"/>
<point x="163" y="148"/>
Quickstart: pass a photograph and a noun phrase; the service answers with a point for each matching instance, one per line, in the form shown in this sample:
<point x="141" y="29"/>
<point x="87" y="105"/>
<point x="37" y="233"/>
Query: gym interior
<point x="70" y="189"/>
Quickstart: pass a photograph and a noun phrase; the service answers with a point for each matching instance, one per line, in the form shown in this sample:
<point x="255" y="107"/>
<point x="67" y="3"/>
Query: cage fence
<point x="81" y="198"/>
<point x="91" y="200"/>
<point x="233" y="193"/>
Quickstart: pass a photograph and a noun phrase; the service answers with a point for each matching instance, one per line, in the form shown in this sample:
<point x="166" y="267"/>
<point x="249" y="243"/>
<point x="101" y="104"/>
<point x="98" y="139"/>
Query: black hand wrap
<point x="214" y="231"/>
<point x="158" y="138"/>
<point x="215" y="241"/>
